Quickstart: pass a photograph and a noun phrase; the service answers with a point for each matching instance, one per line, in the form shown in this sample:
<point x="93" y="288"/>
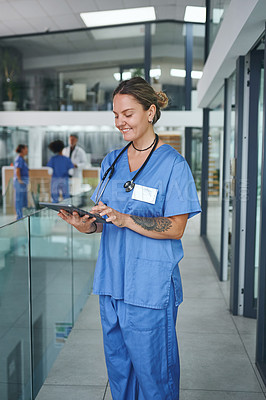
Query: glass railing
<point x="46" y="273"/>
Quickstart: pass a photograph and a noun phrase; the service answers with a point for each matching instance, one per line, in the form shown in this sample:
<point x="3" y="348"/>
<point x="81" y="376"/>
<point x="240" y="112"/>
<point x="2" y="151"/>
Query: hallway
<point x="217" y="350"/>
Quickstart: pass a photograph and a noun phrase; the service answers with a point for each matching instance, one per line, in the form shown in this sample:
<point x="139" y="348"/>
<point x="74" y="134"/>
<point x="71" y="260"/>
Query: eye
<point x="128" y="115"/>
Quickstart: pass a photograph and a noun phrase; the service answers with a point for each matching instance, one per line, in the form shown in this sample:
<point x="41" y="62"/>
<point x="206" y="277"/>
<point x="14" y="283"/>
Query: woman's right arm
<point x="18" y="175"/>
<point x="83" y="224"/>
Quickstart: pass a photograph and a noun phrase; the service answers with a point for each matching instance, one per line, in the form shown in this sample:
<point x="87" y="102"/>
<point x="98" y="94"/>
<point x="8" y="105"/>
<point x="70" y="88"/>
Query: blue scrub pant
<point x="59" y="185"/>
<point x="21" y="198"/>
<point x="141" y="350"/>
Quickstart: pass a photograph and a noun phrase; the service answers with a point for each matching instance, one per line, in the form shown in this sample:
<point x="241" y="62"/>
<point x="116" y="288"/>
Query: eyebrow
<point x="128" y="109"/>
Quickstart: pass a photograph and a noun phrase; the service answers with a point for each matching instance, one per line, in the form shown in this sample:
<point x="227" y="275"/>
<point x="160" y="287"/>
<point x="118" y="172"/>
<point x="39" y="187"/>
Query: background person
<point x="137" y="275"/>
<point x="61" y="166"/>
<point x="21" y="180"/>
<point x="79" y="159"/>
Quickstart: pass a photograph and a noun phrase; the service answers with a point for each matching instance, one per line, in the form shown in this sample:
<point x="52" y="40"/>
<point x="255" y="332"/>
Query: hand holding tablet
<point x="70" y="209"/>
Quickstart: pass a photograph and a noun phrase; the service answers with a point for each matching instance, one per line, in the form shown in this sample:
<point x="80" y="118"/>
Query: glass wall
<point x="196" y="156"/>
<point x="15" y="331"/>
<point x="217" y="10"/>
<point x="258" y="202"/>
<point x="78" y="70"/>
<point x="69" y="71"/>
<point x="46" y="273"/>
<point x="215" y="168"/>
<point x="168" y="60"/>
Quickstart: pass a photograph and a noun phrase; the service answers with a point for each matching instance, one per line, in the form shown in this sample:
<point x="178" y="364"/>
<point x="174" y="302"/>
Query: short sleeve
<point x="18" y="162"/>
<point x="181" y="194"/>
<point x="50" y="163"/>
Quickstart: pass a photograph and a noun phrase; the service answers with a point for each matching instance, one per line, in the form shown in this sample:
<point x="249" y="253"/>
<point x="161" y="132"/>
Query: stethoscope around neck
<point x="129" y="185"/>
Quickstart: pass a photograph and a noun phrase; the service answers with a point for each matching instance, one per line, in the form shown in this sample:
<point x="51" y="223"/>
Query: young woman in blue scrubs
<point x="61" y="166"/>
<point x="137" y="276"/>
<point x="21" y="180"/>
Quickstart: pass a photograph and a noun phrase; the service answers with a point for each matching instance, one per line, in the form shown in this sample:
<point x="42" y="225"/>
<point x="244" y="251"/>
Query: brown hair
<point x="20" y="148"/>
<point x="144" y="93"/>
<point x="56" y="146"/>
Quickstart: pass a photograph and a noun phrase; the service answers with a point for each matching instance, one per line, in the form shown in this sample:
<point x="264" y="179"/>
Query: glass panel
<point x="51" y="265"/>
<point x="198" y="61"/>
<point x="257" y="237"/>
<point x="232" y="155"/>
<point x="196" y="156"/>
<point x="71" y="70"/>
<point x="85" y="253"/>
<point x="15" y="348"/>
<point x="168" y="62"/>
<point x="215" y="177"/>
<point x="217" y="10"/>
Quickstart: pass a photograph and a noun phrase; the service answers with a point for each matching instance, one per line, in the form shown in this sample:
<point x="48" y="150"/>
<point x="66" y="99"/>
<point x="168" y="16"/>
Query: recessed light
<point x="180" y="73"/>
<point x="195" y="14"/>
<point x="118" y="17"/>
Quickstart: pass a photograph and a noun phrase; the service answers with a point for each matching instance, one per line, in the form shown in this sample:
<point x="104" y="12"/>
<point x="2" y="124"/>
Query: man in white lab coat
<point x="79" y="159"/>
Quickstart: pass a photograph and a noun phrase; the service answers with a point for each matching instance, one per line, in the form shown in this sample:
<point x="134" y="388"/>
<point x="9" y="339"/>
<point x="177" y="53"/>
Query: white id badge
<point x="144" y="193"/>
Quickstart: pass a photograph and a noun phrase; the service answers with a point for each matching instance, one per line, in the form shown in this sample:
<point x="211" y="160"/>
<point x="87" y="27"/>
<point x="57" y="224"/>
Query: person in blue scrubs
<point x="21" y="180"/>
<point x="137" y="275"/>
<point x="61" y="166"/>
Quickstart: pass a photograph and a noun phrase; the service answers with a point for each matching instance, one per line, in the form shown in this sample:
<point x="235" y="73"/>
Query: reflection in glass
<point x="214" y="213"/>
<point x="15" y="347"/>
<point x="196" y="156"/>
<point x="51" y="265"/>
<point x="217" y="10"/>
<point x="257" y="234"/>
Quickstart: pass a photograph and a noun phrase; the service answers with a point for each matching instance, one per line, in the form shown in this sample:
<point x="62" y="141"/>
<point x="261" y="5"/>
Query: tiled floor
<point x="216" y="349"/>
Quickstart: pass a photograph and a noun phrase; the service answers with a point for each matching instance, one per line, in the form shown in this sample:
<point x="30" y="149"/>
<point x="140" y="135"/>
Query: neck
<point x="144" y="142"/>
<point x="143" y="146"/>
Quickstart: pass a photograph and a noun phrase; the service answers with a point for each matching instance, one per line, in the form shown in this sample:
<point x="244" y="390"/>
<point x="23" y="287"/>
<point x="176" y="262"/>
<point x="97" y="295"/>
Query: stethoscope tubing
<point x="129" y="185"/>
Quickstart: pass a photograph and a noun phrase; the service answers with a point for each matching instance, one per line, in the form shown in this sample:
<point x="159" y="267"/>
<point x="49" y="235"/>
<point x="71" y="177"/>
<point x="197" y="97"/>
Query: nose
<point x="120" y="121"/>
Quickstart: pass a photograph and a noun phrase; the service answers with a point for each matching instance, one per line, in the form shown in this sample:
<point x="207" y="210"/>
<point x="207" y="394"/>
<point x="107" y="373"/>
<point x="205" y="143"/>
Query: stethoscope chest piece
<point x="129" y="185"/>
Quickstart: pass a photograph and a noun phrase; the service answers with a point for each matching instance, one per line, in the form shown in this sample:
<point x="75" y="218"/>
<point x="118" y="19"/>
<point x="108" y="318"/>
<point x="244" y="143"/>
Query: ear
<point x="151" y="112"/>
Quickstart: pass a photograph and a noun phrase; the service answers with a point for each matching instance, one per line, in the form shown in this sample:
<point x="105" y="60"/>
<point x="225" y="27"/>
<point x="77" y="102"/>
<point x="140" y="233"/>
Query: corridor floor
<point x="217" y="350"/>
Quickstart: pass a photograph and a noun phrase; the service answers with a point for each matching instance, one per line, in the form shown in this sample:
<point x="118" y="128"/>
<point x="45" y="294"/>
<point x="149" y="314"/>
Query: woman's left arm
<point x="153" y="227"/>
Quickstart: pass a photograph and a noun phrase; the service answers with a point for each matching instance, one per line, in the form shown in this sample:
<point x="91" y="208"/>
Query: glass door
<point x="254" y="183"/>
<point x="260" y="252"/>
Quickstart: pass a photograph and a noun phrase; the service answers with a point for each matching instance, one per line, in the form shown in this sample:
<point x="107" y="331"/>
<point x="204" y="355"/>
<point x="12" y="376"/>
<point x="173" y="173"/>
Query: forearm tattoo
<point x="160" y="224"/>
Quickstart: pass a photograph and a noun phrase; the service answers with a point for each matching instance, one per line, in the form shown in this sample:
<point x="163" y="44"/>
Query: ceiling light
<point x="196" y="74"/>
<point x="125" y="75"/>
<point x="195" y="14"/>
<point x="118" y="17"/>
<point x="155" y="73"/>
<point x="180" y="73"/>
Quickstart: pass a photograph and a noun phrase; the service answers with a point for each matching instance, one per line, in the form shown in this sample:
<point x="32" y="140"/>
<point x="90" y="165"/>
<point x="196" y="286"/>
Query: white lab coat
<point x="79" y="158"/>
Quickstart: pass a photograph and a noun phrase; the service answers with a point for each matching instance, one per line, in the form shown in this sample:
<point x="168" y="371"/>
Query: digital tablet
<point x="69" y="208"/>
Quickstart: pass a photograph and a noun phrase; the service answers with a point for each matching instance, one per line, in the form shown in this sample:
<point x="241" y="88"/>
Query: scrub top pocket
<point x="147" y="283"/>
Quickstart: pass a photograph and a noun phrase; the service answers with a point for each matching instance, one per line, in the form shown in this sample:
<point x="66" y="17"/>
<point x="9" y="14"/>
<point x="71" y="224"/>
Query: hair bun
<point x="162" y="99"/>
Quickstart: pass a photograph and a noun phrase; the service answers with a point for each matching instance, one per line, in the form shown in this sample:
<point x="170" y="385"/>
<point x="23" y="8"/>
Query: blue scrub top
<point x="131" y="266"/>
<point x="24" y="170"/>
<point x="61" y="165"/>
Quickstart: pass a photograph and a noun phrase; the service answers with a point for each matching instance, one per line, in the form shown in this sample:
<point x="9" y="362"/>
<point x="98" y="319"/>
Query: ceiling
<point x="19" y="17"/>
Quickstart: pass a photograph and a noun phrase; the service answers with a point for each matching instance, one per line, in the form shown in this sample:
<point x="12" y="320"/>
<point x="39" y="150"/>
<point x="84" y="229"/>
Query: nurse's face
<point x="130" y="117"/>
<point x="24" y="151"/>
